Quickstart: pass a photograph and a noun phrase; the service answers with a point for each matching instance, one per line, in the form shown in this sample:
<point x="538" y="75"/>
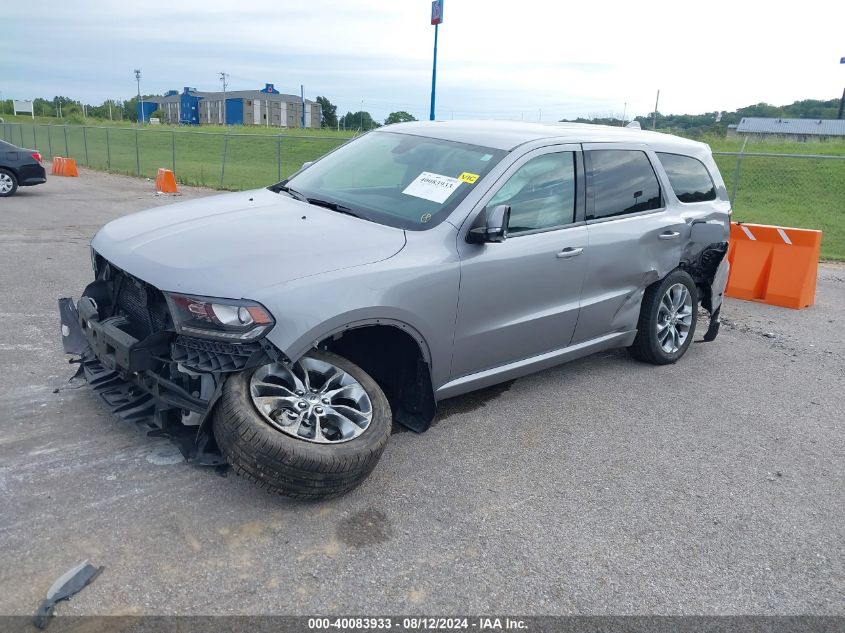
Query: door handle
<point x="568" y="252"/>
<point x="669" y="235"/>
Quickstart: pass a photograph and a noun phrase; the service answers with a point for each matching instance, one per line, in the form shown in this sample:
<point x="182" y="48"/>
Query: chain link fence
<point x="799" y="190"/>
<point x="211" y="159"/>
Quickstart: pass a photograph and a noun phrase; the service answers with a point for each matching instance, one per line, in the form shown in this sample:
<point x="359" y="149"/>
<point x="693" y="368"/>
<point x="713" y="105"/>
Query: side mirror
<point x="306" y="165"/>
<point x="491" y="225"/>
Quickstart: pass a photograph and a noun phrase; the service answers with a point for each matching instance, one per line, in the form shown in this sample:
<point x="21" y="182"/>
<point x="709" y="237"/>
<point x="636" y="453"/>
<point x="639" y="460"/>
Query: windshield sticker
<point x="486" y="157"/>
<point x="432" y="187"/>
<point x="468" y="177"/>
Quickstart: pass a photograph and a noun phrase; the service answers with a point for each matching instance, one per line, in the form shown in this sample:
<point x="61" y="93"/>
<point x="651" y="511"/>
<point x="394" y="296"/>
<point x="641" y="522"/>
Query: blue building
<point x="266" y="106"/>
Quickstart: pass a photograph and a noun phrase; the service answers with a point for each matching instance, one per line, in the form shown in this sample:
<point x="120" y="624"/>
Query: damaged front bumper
<point x="165" y="383"/>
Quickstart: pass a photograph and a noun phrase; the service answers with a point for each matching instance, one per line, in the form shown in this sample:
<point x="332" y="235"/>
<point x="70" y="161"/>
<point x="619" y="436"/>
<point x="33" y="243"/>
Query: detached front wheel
<point x="312" y="430"/>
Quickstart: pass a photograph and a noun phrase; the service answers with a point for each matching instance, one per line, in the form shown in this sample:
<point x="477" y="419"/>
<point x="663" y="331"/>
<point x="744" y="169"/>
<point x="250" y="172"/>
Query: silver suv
<point x="282" y="330"/>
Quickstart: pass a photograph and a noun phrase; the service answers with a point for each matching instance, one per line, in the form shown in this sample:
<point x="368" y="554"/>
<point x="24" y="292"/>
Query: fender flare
<point x="300" y="350"/>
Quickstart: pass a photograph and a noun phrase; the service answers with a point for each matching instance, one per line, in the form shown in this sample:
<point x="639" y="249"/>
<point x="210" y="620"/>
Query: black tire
<point x="289" y="466"/>
<point x="646" y="347"/>
<point x="10" y="175"/>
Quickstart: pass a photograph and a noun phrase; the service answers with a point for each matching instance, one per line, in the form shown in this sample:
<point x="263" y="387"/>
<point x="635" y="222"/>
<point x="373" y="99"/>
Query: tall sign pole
<point x="436" y="20"/>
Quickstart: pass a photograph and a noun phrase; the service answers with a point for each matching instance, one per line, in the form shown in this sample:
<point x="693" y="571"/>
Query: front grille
<point x="141" y="303"/>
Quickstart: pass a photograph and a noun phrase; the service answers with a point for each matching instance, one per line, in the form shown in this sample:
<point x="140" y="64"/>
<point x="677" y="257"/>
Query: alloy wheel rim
<point x="5" y="183"/>
<point x="313" y="401"/>
<point x="674" y="318"/>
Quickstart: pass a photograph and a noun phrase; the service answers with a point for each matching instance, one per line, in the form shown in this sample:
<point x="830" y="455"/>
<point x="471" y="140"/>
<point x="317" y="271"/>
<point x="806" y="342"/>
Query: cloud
<point x="496" y="59"/>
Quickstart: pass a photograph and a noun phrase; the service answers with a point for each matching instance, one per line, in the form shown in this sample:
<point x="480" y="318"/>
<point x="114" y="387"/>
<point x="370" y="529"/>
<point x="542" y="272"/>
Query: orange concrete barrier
<point x="69" y="168"/>
<point x="166" y="181"/>
<point x="63" y="167"/>
<point x="773" y="264"/>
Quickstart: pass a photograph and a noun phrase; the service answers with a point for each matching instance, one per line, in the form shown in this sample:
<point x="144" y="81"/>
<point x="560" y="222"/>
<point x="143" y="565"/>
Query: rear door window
<point x="622" y="182"/>
<point x="688" y="177"/>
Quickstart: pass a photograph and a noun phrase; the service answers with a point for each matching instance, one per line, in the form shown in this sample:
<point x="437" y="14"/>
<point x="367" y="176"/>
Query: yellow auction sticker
<point x="468" y="177"/>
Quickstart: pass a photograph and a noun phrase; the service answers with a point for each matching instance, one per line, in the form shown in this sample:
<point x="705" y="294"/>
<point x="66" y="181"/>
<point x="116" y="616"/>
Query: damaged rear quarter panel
<point x="626" y="254"/>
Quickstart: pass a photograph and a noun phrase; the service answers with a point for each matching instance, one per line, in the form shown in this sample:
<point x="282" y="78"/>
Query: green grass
<point x="255" y="156"/>
<point x="797" y="192"/>
<point x="218" y="129"/>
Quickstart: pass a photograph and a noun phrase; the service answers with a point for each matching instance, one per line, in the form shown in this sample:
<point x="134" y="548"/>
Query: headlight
<point x="223" y="319"/>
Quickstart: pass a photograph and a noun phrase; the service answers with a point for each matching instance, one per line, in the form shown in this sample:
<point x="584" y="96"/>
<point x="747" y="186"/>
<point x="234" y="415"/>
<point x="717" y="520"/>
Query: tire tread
<point x="645" y="346"/>
<point x="296" y="468"/>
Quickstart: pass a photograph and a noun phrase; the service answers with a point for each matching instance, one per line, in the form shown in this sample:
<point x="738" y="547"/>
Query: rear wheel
<point x="312" y="430"/>
<point x="8" y="183"/>
<point x="667" y="320"/>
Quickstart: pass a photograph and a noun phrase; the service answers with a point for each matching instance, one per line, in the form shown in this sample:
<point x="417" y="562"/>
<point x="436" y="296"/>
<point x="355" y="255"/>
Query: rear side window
<point x="688" y="177"/>
<point x="623" y="182"/>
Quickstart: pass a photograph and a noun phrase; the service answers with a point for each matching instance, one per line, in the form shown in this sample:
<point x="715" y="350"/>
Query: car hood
<point x="234" y="244"/>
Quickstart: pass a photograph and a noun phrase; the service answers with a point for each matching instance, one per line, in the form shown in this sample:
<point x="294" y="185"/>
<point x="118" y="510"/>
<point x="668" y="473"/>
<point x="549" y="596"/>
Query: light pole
<point x="841" y="101"/>
<point x="223" y="78"/>
<point x="654" y="119"/>
<point x="140" y="101"/>
<point x="436" y="20"/>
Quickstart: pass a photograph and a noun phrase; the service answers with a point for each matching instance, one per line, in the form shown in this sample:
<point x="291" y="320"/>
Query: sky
<point x="532" y="59"/>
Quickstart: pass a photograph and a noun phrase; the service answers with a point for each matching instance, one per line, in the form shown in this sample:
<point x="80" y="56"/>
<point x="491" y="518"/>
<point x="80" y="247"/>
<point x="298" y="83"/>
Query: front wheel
<point x="667" y="320"/>
<point x="311" y="430"/>
<point x="8" y="183"/>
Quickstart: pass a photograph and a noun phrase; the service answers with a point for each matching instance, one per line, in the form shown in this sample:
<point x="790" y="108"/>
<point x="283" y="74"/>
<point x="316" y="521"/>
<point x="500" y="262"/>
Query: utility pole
<point x="109" y="110"/>
<point x="436" y="20"/>
<point x="624" y="113"/>
<point x="302" y="98"/>
<point x="140" y="101"/>
<point x="654" y="118"/>
<point x="224" y="78"/>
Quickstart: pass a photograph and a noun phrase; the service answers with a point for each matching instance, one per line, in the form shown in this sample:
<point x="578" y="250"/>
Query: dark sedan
<point x="19" y="167"/>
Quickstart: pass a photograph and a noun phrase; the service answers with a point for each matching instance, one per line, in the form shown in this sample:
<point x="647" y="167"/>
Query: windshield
<point x="410" y="182"/>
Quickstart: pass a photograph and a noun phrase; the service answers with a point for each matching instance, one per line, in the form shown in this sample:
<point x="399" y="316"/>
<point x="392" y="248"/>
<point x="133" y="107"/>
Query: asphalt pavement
<point x="713" y="486"/>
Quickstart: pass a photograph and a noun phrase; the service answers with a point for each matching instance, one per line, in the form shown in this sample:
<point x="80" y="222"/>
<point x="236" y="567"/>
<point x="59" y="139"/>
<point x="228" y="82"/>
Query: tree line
<point x="127" y="110"/>
<point x="75" y="111"/>
<point x="360" y="120"/>
<point x="695" y="125"/>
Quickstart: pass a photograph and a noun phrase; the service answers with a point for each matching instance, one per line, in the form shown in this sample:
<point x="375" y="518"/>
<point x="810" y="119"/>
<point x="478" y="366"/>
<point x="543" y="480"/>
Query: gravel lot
<point x="600" y="487"/>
